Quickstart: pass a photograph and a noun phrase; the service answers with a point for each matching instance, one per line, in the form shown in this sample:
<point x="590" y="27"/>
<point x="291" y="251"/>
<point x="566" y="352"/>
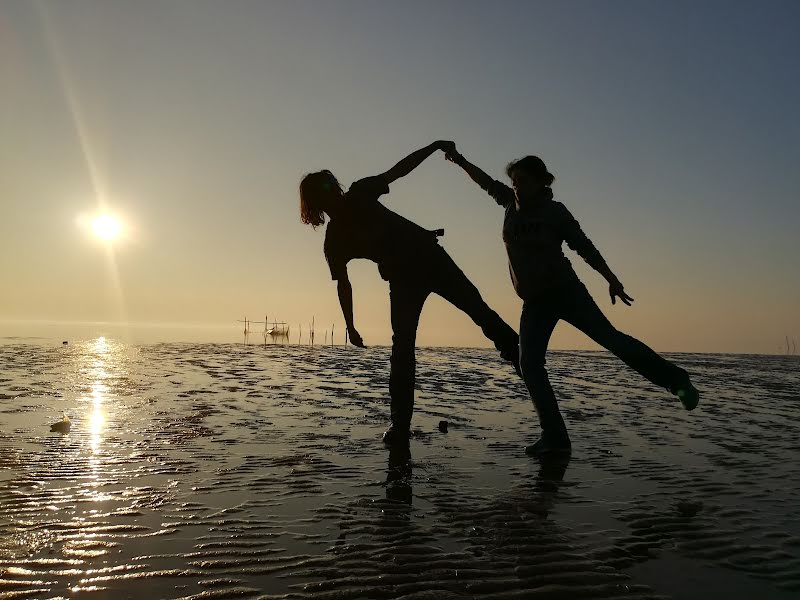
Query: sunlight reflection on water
<point x="105" y="362"/>
<point x="257" y="468"/>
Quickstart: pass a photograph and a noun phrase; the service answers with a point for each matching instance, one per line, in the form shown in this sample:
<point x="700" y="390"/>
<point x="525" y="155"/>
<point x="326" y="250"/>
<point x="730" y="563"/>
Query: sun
<point x="106" y="227"/>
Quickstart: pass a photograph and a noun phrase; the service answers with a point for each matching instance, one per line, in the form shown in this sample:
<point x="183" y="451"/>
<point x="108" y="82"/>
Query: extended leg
<point x="450" y="283"/>
<point x="582" y="312"/>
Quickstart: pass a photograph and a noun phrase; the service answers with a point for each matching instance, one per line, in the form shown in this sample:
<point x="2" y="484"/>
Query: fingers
<point x="622" y="296"/>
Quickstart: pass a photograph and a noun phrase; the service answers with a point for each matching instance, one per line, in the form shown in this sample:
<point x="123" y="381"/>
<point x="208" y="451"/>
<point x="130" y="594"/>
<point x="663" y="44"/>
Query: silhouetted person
<point x="408" y="257"/>
<point x="533" y="230"/>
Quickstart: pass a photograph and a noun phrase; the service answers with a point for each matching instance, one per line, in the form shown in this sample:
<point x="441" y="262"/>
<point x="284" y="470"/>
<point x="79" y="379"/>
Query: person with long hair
<point x="534" y="228"/>
<point x="408" y="256"/>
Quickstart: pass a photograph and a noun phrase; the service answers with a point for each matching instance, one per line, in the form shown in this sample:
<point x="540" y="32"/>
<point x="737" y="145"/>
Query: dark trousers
<point x="435" y="272"/>
<point x="573" y="303"/>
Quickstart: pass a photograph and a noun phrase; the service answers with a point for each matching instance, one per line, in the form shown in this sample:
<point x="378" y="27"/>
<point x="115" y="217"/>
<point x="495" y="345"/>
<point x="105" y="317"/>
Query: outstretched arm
<point x="345" y="291"/>
<point x="476" y="174"/>
<point x="577" y="240"/>
<point x="413" y="160"/>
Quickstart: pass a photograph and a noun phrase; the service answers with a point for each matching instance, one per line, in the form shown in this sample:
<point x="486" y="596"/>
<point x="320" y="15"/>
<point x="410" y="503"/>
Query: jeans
<point x="434" y="272"/>
<point x="573" y="303"/>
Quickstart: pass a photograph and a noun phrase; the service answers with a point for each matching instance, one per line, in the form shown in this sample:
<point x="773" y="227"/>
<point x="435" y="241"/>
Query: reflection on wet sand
<point x="398" y="474"/>
<point x="228" y="471"/>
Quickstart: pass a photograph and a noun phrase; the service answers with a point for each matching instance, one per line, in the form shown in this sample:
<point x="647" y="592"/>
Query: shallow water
<point x="221" y="471"/>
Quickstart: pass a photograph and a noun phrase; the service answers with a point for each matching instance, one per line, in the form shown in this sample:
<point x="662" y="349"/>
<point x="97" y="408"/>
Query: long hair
<point x="314" y="189"/>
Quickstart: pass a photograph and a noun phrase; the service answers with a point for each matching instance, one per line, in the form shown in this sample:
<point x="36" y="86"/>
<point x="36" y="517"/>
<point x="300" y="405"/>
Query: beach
<point x="228" y="470"/>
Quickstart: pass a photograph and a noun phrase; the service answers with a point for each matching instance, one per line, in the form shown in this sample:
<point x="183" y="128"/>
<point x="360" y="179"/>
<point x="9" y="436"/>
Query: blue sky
<point x="672" y="128"/>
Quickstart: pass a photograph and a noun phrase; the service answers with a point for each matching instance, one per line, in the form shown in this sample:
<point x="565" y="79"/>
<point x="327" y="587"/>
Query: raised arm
<point x="501" y="193"/>
<point x="345" y="291"/>
<point x="413" y="160"/>
<point x="476" y="174"/>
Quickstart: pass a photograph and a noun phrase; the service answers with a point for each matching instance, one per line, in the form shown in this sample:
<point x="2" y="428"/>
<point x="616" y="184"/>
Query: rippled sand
<point x="225" y="471"/>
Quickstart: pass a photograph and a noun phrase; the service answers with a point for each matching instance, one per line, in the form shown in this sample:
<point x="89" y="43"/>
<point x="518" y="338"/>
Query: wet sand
<point x="225" y="471"/>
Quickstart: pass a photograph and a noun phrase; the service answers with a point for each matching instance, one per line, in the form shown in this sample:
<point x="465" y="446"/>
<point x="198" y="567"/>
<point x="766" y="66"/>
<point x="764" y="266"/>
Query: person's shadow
<point x="399" y="472"/>
<point x="548" y="483"/>
<point x="398" y="475"/>
<point x="551" y="471"/>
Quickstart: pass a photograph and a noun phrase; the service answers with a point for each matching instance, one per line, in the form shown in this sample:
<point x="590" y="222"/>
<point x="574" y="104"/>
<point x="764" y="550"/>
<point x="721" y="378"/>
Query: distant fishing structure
<point x="279" y="331"/>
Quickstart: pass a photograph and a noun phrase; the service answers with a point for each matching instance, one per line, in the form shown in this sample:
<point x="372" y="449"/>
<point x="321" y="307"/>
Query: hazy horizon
<point x="56" y="332"/>
<point x="673" y="131"/>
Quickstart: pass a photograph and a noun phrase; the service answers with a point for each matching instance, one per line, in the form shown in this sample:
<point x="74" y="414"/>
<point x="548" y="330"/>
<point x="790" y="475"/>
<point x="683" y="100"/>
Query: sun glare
<point x="106" y="227"/>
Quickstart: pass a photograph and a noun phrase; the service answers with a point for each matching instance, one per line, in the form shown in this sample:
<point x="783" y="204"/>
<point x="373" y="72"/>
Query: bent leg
<point x="450" y="282"/>
<point x="536" y="326"/>
<point x="582" y="312"/>
<point x="407" y="299"/>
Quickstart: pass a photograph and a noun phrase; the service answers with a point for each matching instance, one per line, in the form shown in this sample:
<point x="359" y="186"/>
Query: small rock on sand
<point x="61" y="426"/>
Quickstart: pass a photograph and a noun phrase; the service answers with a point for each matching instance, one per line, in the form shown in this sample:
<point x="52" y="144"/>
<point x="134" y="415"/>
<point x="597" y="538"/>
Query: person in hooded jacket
<point x="534" y="228"/>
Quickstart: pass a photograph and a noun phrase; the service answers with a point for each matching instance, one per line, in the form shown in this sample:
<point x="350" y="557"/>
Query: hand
<point x="615" y="288"/>
<point x="355" y="337"/>
<point x="454" y="157"/>
<point x="447" y="146"/>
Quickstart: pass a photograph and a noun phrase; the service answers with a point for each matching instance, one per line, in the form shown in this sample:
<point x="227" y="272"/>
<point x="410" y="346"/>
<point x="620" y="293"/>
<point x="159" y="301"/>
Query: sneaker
<point x="688" y="395"/>
<point x="395" y="435"/>
<point x="542" y="447"/>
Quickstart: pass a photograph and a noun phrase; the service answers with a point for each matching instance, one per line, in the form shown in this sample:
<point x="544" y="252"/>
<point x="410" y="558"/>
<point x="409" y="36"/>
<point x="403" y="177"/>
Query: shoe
<point x="396" y="435"/>
<point x="542" y="447"/>
<point x="688" y="395"/>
